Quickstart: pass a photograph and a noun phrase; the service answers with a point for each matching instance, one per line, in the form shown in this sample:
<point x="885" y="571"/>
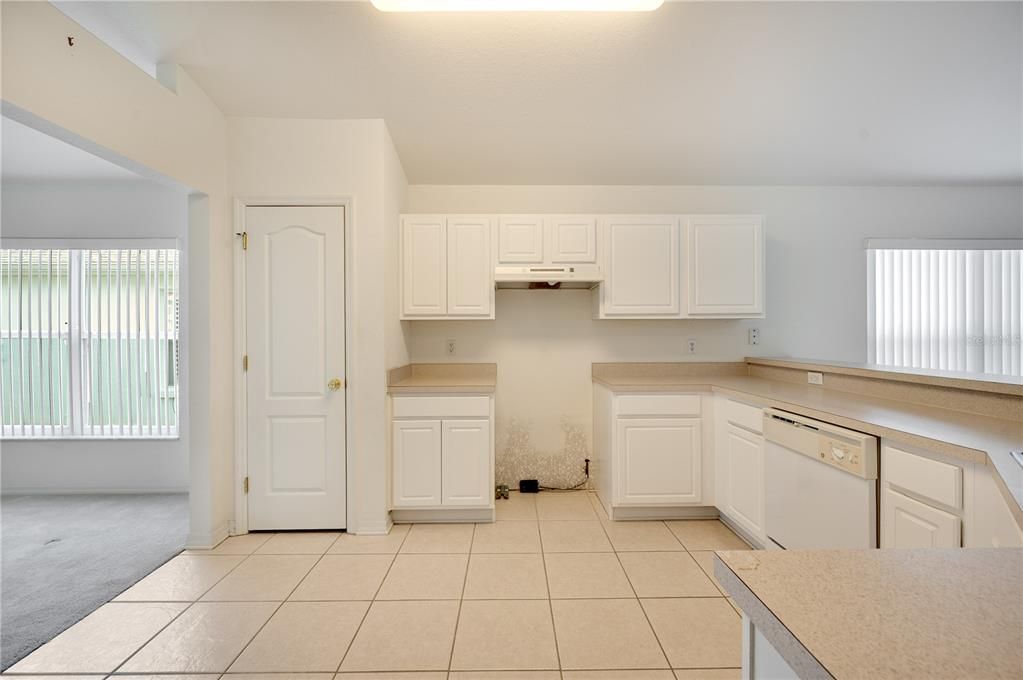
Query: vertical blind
<point x="943" y="308"/>
<point x="89" y="342"/>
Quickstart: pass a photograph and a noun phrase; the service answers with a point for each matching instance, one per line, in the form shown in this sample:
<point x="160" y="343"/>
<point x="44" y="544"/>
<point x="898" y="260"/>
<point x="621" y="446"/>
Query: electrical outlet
<point x="814" y="378"/>
<point x="754" y="336"/>
<point x="691" y="345"/>
<point x="449" y="346"/>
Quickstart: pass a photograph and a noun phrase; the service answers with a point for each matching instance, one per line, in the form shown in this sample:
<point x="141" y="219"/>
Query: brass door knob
<point x="334" y="385"/>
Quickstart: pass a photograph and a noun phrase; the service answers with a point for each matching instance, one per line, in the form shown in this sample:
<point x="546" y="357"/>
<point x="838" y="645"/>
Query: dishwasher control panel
<point x="845" y="455"/>
<point x="848" y="450"/>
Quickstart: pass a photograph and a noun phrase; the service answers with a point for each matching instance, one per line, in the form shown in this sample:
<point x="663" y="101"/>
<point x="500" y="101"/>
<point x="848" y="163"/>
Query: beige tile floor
<point x="551" y="591"/>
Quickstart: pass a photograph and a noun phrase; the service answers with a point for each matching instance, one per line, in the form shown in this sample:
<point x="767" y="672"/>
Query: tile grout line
<point x="365" y="614"/>
<point x="190" y="604"/>
<point x="550" y="600"/>
<point x="461" y="596"/>
<point x="646" y="617"/>
<point x="274" y="612"/>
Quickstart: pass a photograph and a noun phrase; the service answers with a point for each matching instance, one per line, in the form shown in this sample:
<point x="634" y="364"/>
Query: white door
<point x="424" y="266"/>
<point x="417" y="464"/>
<point x="465" y="462"/>
<point x="659" y="460"/>
<point x="725" y="263"/>
<point x="745" y="494"/>
<point x="908" y="523"/>
<point x="470" y="268"/>
<point x="520" y="239"/>
<point x="641" y="267"/>
<point x="573" y="239"/>
<point x="295" y="342"/>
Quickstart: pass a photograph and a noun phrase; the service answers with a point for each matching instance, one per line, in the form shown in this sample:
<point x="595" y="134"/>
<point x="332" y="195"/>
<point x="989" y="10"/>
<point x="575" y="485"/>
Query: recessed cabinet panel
<point x="465" y="462"/>
<point x="417" y="463"/>
<point x="424" y="266"/>
<point x="908" y="523"/>
<point x="745" y="495"/>
<point x="573" y="240"/>
<point x="470" y="272"/>
<point x="659" y="460"/>
<point x="725" y="265"/>
<point x="520" y="239"/>
<point x="641" y="267"/>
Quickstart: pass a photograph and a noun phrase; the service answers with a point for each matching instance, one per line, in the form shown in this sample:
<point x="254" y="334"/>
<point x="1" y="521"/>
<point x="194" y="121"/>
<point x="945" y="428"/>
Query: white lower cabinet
<point x="923" y="499"/>
<point x="744" y="460"/>
<point x="908" y="523"/>
<point x="659" y="460"/>
<point x="417" y="463"/>
<point x="649" y="455"/>
<point x="465" y="467"/>
<point x="442" y="452"/>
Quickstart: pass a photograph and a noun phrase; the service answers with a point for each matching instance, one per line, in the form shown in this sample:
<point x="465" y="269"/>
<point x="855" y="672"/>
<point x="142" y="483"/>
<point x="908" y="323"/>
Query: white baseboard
<point x="657" y="513"/>
<point x="443" y="515"/>
<point x="742" y="533"/>
<point x="80" y="491"/>
<point x="207" y="541"/>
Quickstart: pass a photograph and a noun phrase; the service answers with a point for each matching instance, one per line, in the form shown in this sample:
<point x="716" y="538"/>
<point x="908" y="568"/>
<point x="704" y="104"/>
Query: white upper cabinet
<point x="520" y="239"/>
<point x="641" y="256"/>
<point x="470" y="271"/>
<point x="652" y="266"/>
<point x="573" y="239"/>
<point x="725" y="263"/>
<point x="424" y="265"/>
<point x="447" y="267"/>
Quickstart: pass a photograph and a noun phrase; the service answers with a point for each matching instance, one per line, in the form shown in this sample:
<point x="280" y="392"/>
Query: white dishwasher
<point x="820" y="484"/>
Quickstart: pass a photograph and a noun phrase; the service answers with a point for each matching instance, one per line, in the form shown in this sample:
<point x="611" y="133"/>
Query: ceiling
<point x="693" y="93"/>
<point x="30" y="155"/>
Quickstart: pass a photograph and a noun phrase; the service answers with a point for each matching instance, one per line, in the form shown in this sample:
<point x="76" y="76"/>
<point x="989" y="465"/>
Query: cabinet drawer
<point x="925" y="477"/>
<point x="744" y="415"/>
<point x="440" y="407"/>
<point x="658" y="405"/>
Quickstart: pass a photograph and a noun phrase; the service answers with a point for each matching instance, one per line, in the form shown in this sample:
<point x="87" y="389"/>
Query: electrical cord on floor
<point x="586" y="479"/>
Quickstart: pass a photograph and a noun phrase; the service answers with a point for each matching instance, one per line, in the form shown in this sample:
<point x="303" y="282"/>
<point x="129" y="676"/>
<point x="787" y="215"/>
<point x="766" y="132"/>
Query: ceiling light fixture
<point x="517" y="5"/>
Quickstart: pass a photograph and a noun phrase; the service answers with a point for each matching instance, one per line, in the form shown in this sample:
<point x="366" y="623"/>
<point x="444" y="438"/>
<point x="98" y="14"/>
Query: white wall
<point x="90" y="96"/>
<point x="105" y="209"/>
<point x="296" y="159"/>
<point x="545" y="341"/>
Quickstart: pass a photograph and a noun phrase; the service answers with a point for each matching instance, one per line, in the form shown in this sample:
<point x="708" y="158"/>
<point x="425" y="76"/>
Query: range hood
<point x="553" y="277"/>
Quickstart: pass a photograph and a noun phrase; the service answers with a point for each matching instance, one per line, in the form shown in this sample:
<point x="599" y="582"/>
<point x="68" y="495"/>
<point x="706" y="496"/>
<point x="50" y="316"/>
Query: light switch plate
<point x="754" y="336"/>
<point x="449" y="345"/>
<point x="814" y="378"/>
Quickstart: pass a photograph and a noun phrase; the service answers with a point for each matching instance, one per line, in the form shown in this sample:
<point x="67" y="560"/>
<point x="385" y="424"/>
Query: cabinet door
<point x="470" y="269"/>
<point x="744" y="460"/>
<point x="520" y="239"/>
<point x="573" y="239"/>
<point x="424" y="266"/>
<point x="908" y="523"/>
<point x="659" y="460"/>
<point x="725" y="263"/>
<point x="417" y="462"/>
<point x="641" y="267"/>
<point x="465" y="463"/>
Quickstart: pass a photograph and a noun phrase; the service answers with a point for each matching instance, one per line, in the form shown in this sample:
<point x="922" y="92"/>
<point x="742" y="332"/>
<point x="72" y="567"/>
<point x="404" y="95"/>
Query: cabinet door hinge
<point x="245" y="485"/>
<point x="245" y="362"/>
<point x="245" y="239"/>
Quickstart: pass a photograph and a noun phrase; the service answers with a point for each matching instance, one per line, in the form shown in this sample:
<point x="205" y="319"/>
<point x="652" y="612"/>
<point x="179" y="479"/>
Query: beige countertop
<point x="958" y="434"/>
<point x="434" y="378"/>
<point x="900" y="614"/>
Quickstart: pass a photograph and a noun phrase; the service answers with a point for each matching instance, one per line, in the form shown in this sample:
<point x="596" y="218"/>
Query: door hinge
<point x="245" y="485"/>
<point x="245" y="362"/>
<point x="245" y="239"/>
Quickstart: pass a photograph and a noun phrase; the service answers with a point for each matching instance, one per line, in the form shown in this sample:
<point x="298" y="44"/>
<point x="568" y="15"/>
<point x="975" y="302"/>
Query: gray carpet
<point x="64" y="556"/>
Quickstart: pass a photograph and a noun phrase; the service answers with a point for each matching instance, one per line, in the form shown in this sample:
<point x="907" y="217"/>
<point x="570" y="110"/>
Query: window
<point x="946" y="305"/>
<point x="89" y="342"/>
